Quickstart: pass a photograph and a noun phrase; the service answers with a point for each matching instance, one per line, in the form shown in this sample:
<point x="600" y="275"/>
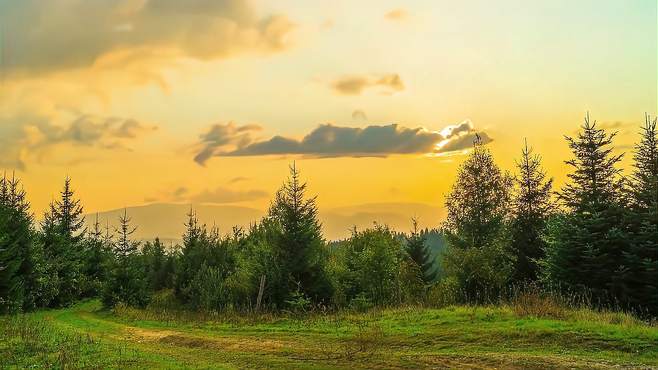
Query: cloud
<point x="89" y="130"/>
<point x="222" y="135"/>
<point x="396" y="15"/>
<point x="219" y="195"/>
<point x="356" y="84"/>
<point x="223" y="195"/>
<point x="180" y="192"/>
<point x="359" y="115"/>
<point x="44" y="36"/>
<point x="237" y="179"/>
<point x="328" y="140"/>
<point x="25" y="135"/>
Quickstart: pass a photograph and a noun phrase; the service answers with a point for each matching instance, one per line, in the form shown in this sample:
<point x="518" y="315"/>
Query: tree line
<point x="597" y="235"/>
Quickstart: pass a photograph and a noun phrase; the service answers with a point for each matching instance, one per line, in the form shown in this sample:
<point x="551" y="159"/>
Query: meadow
<point x="506" y="336"/>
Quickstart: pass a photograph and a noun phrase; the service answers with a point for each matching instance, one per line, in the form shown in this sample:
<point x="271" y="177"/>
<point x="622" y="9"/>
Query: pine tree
<point x="421" y="254"/>
<point x="645" y="176"/>
<point x="192" y="256"/>
<point x="586" y="244"/>
<point x="97" y="258"/>
<point x="21" y="262"/>
<point x="299" y="246"/>
<point x="158" y="264"/>
<point x="14" y="241"/>
<point x="531" y="209"/>
<point x="63" y="235"/>
<point x="641" y="261"/>
<point x="127" y="283"/>
<point x="478" y="209"/>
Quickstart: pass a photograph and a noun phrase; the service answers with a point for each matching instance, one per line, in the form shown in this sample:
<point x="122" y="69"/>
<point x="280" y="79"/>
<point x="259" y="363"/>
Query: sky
<point x="209" y="102"/>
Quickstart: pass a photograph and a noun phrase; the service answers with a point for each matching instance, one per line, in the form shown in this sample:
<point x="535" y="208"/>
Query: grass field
<point x="85" y="336"/>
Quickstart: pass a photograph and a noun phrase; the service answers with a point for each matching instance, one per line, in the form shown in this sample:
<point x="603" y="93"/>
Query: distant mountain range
<point x="167" y="220"/>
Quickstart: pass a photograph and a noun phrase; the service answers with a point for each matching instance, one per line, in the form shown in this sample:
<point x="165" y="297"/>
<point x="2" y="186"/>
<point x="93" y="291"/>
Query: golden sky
<point x="209" y="101"/>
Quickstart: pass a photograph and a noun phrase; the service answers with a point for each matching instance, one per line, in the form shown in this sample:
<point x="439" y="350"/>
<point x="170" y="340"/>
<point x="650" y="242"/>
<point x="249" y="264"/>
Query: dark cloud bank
<point x="230" y="140"/>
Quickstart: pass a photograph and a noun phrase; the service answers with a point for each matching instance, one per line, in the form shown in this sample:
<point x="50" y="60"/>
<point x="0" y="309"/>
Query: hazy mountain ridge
<point x="167" y="220"/>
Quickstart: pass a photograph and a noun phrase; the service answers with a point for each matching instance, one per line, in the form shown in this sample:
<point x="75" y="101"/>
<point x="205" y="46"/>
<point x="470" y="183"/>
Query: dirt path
<point x="205" y="347"/>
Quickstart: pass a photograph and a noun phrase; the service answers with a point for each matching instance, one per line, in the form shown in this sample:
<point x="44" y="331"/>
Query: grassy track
<point x="455" y="337"/>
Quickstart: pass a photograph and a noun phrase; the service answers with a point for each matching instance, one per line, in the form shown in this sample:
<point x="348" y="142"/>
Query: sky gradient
<point x="144" y="101"/>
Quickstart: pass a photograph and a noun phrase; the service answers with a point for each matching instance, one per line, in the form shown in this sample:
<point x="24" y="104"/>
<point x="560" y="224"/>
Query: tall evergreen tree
<point x="299" y="247"/>
<point x="531" y="208"/>
<point x="159" y="265"/>
<point x="421" y="254"/>
<point x="192" y="256"/>
<point x="24" y="283"/>
<point x="641" y="261"/>
<point x="15" y="245"/>
<point x="478" y="210"/>
<point x="127" y="283"/>
<point x="97" y="256"/>
<point x="63" y="234"/>
<point x="586" y="244"/>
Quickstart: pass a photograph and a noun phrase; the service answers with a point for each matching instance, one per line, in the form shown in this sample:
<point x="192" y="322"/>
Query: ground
<point x="86" y="336"/>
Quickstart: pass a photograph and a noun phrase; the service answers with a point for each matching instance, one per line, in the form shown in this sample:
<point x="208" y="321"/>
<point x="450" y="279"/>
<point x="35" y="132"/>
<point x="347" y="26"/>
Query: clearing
<point x="85" y="336"/>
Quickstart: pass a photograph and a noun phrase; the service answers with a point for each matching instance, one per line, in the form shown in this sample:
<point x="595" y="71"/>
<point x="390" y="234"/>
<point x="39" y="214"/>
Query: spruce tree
<point x="97" y="255"/>
<point x="192" y="256"/>
<point x="586" y="243"/>
<point x="127" y="283"/>
<point x="641" y="260"/>
<point x="421" y="254"/>
<point x="299" y="246"/>
<point x="63" y="238"/>
<point x="22" y="266"/>
<point x="14" y="243"/>
<point x="478" y="210"/>
<point x="531" y="208"/>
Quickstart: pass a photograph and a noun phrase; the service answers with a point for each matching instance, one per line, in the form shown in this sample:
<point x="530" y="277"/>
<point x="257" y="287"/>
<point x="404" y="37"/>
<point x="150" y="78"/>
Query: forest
<point x="509" y="237"/>
<point x="596" y="238"/>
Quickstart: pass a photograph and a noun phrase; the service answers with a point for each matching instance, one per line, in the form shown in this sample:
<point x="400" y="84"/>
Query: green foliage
<point x="372" y="265"/>
<point x="159" y="266"/>
<point x="421" y="254"/>
<point x="531" y="209"/>
<point x="127" y="283"/>
<point x="97" y="261"/>
<point x="640" y="272"/>
<point x="63" y="241"/>
<point x="585" y="245"/>
<point x="476" y="227"/>
<point x="22" y="267"/>
<point x="299" y="248"/>
<point x="205" y="262"/>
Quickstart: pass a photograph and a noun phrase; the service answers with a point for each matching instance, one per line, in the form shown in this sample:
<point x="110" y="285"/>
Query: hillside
<point x="167" y="220"/>
<point x="452" y="337"/>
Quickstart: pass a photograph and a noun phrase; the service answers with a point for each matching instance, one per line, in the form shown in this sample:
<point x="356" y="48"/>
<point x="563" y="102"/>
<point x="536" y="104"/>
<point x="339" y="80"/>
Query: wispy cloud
<point x="338" y="141"/>
<point x="397" y="15"/>
<point x="218" y="195"/>
<point x="27" y="134"/>
<point x="356" y="84"/>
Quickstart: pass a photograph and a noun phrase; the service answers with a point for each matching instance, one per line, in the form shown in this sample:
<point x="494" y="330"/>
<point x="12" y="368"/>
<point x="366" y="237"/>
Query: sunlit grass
<point x="407" y="337"/>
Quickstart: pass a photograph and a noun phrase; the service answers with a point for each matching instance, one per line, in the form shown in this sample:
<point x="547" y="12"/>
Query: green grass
<point x="85" y="336"/>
